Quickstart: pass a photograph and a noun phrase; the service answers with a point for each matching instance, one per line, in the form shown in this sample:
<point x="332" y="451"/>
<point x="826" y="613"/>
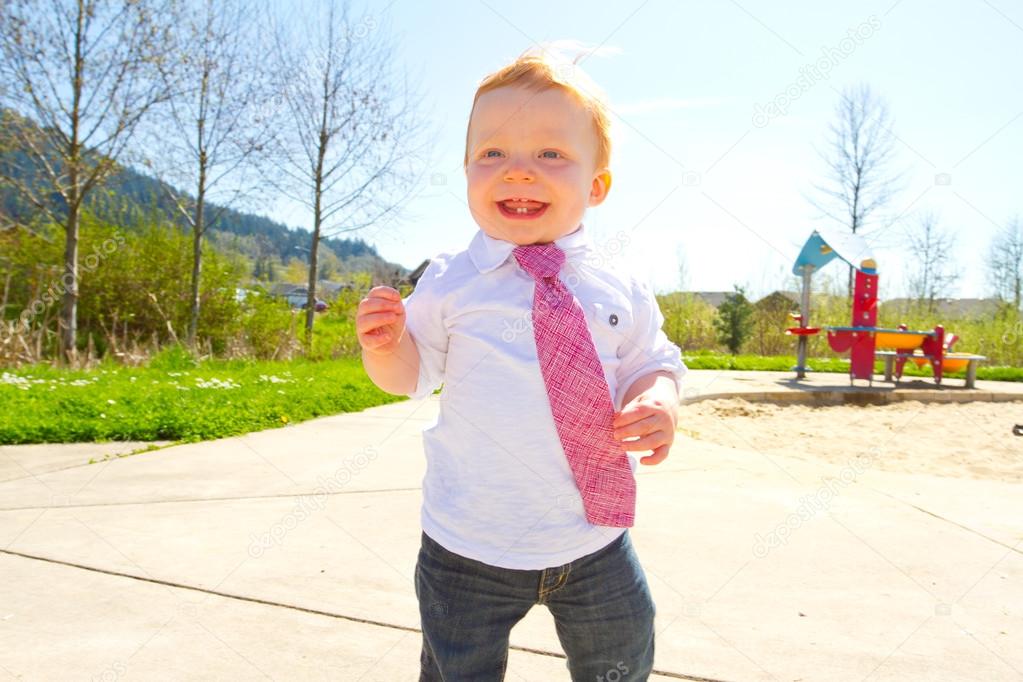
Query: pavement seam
<point x="305" y="609"/>
<point x="106" y="458"/>
<point x="211" y="499"/>
<point x="1013" y="548"/>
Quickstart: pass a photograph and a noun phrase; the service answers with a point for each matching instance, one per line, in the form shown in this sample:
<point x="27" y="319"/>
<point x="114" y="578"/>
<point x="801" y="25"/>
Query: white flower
<point x="111" y="402"/>
<point x="13" y="379"/>
<point x="216" y="383"/>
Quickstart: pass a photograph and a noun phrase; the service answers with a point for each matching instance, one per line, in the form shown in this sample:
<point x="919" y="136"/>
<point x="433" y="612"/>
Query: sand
<point x="972" y="440"/>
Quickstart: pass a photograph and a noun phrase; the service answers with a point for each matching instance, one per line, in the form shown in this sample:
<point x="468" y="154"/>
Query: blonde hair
<point x="544" y="70"/>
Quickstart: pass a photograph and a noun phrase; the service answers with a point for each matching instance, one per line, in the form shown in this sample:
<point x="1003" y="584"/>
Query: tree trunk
<point x="69" y="282"/>
<point x="68" y="321"/>
<point x="197" y="234"/>
<point x="310" y="308"/>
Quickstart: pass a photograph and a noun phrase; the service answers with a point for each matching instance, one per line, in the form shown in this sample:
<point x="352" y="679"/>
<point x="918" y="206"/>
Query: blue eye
<point x="556" y="154"/>
<point x="487" y="153"/>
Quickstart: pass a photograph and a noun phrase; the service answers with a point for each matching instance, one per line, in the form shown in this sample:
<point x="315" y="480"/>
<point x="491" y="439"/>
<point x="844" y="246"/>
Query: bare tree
<point x="211" y="130"/>
<point x="350" y="149"/>
<point x="1005" y="263"/>
<point x="858" y="155"/>
<point x="683" y="268"/>
<point x="933" y="273"/>
<point x="79" y="75"/>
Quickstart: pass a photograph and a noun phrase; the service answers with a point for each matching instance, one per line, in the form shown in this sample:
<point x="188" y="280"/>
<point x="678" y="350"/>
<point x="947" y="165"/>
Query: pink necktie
<point x="579" y="396"/>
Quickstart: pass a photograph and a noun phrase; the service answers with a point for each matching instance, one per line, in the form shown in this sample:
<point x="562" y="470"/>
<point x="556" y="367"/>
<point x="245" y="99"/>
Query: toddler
<point x="553" y="366"/>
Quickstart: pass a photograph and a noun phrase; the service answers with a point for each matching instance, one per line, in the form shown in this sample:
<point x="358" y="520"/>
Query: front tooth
<point x="522" y="209"/>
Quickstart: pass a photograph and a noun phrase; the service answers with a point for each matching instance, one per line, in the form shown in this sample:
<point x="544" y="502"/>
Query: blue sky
<point x="694" y="178"/>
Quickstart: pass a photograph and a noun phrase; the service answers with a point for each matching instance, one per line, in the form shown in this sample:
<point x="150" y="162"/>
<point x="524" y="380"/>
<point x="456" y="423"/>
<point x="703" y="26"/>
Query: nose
<point x="517" y="171"/>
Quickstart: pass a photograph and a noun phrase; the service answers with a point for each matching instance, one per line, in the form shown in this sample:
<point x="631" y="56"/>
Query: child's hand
<point x="653" y="417"/>
<point x="380" y="321"/>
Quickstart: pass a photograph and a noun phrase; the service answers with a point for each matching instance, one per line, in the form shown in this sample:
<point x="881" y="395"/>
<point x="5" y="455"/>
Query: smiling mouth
<point x="519" y="209"/>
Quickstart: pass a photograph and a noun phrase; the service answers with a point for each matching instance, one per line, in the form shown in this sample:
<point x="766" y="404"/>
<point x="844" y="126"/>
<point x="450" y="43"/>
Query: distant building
<point x="712" y="298"/>
<point x="298" y="294"/>
<point x="950" y="308"/>
<point x="413" y="277"/>
<point x="779" y="300"/>
<point x="715" y="298"/>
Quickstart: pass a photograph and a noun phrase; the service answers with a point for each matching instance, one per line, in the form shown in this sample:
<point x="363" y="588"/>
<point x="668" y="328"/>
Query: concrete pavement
<point x="289" y="553"/>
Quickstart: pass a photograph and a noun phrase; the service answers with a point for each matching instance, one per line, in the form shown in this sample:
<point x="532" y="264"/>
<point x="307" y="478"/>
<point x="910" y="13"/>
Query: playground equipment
<point x="863" y="338"/>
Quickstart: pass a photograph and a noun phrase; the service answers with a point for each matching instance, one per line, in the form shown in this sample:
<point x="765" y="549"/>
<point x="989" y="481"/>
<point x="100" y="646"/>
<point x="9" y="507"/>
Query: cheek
<point x="566" y="176"/>
<point x="479" y="179"/>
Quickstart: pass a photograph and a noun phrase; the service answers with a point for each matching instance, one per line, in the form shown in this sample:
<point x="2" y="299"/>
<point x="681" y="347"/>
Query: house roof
<point x="416" y="273"/>
<point x="949" y="307"/>
<point x="713" y="298"/>
<point x="322" y="287"/>
<point x="790" y="296"/>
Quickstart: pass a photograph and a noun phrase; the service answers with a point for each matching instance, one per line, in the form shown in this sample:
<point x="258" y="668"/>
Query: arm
<point x="389" y="354"/>
<point x="650" y="412"/>
<point x="396" y="372"/>
<point x="650" y="374"/>
<point x="660" y="383"/>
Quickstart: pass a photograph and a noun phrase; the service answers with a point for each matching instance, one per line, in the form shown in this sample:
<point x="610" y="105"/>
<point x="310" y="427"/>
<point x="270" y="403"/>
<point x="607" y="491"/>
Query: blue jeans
<point x="600" y="602"/>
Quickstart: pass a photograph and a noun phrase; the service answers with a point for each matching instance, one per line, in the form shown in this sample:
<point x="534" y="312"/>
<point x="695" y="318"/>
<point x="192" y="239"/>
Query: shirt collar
<point x="488" y="253"/>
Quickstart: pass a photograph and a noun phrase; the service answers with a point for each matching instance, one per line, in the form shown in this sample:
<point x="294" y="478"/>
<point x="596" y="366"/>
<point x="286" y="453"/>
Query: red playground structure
<point x="864" y="340"/>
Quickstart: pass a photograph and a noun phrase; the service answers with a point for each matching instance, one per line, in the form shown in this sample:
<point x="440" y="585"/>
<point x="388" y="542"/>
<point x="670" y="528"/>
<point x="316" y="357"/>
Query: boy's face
<point x="538" y="147"/>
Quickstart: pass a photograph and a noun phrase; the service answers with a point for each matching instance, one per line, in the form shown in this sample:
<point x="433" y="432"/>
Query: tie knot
<point x="540" y="260"/>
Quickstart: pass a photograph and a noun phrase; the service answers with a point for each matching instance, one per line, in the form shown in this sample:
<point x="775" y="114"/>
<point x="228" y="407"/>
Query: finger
<point x="378" y="335"/>
<point x="657" y="456"/>
<point x="373" y="320"/>
<point x="640" y="427"/>
<point x="373" y="305"/>
<point x="366" y="323"/>
<point x="385" y="292"/>
<point x="648" y="442"/>
<point x="376" y="340"/>
<point x="630" y="413"/>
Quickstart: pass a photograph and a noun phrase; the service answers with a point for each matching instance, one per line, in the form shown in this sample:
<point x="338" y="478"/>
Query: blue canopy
<point x="825" y="244"/>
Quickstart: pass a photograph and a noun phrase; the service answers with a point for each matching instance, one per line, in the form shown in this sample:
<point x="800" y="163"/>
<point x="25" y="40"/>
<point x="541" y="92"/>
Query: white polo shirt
<point x="498" y="487"/>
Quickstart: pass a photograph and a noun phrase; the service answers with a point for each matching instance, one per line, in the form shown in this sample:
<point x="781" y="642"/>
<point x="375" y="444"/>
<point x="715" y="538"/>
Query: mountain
<point x="129" y="198"/>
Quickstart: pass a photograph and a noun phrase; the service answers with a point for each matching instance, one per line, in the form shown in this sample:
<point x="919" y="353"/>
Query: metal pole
<point x="804" y="311"/>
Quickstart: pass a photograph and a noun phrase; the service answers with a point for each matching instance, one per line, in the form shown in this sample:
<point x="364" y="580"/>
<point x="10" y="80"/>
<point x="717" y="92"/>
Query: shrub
<point x="734" y="321"/>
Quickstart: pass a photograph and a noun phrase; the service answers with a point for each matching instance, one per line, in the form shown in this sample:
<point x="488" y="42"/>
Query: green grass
<point x="175" y="399"/>
<point x="785" y="363"/>
<point x="757" y="363"/>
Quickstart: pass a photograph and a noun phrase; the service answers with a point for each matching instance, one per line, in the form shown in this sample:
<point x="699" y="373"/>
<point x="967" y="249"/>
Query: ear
<point x="601" y="186"/>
